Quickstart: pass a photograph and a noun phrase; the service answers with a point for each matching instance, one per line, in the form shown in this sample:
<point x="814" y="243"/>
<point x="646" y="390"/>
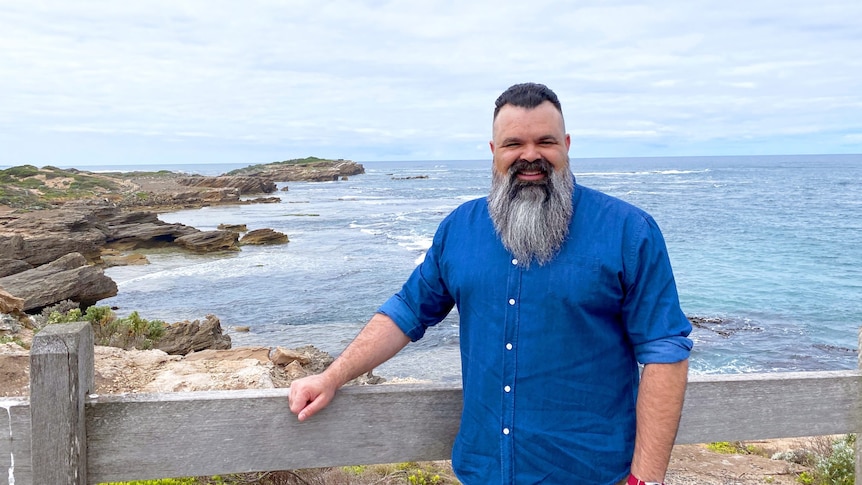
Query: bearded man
<point x="561" y="291"/>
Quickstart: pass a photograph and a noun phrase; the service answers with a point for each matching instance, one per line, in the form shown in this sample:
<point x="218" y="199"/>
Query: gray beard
<point x="532" y="219"/>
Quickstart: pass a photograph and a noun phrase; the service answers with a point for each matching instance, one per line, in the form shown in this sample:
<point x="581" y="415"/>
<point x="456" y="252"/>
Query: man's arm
<point x="659" y="408"/>
<point x="378" y="341"/>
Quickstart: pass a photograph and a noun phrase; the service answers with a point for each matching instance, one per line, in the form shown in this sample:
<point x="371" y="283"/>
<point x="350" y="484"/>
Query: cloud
<point x="376" y="79"/>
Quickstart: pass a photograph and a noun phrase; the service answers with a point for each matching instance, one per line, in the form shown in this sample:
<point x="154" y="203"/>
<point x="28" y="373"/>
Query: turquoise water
<point x="769" y="246"/>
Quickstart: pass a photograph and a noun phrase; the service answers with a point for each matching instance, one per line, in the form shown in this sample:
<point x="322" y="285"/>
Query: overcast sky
<point x="106" y="82"/>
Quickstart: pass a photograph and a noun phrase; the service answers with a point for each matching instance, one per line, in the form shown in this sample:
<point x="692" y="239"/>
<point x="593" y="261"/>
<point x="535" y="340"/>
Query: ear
<point x="568" y="142"/>
<point x="491" y="144"/>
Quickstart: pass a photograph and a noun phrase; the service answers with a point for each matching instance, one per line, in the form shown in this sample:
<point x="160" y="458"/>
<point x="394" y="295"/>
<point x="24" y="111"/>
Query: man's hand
<point x="310" y="394"/>
<point x="378" y="341"/>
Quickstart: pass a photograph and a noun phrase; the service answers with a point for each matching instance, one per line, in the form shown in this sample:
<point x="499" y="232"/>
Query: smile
<point x="531" y="175"/>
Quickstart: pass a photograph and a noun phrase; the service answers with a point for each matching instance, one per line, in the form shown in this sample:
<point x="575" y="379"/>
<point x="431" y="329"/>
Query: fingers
<point x="307" y="397"/>
<point x="313" y="407"/>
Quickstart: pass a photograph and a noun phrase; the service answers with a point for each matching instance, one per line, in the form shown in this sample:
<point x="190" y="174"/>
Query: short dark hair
<point x="526" y="95"/>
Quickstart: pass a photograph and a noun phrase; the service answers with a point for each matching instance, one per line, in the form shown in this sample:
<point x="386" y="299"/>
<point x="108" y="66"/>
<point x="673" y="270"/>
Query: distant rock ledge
<point x="60" y="227"/>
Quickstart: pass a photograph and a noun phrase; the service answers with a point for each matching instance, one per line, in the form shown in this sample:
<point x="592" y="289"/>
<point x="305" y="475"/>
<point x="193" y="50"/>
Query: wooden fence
<point x="64" y="435"/>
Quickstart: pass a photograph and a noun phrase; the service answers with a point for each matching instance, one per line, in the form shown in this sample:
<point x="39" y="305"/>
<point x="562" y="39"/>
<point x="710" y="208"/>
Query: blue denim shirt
<point x="549" y="353"/>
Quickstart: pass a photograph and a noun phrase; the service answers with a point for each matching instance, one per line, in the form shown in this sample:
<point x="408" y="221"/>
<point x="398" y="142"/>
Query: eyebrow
<point x="516" y="139"/>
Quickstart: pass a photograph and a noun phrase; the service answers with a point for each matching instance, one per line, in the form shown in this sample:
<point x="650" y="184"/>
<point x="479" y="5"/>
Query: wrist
<point x="633" y="480"/>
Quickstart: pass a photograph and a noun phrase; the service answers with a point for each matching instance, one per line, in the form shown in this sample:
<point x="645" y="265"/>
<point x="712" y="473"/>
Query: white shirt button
<point x="505" y="430"/>
<point x="515" y="262"/>
<point x="507" y="389"/>
<point x="511" y="301"/>
<point x="508" y="346"/>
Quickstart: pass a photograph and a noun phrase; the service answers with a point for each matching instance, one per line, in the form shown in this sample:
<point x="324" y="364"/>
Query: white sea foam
<point x="361" y="197"/>
<point x="641" y="172"/>
<point x="414" y="243"/>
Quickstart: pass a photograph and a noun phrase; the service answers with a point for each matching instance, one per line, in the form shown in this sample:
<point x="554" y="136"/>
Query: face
<point x="527" y="135"/>
<point x="530" y="201"/>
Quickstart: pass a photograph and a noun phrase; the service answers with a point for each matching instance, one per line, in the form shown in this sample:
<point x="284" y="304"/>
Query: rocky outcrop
<point x="67" y="278"/>
<point x="139" y="230"/>
<point x="33" y="245"/>
<point x="245" y="184"/>
<point x="263" y="236"/>
<point x="42" y="236"/>
<point x="182" y="338"/>
<point x="12" y="266"/>
<point x="36" y="238"/>
<point x="112" y="258"/>
<point x="209" y="241"/>
<point x="233" y="227"/>
<point x="10" y="304"/>
<point x="313" y="170"/>
<point x="181" y="198"/>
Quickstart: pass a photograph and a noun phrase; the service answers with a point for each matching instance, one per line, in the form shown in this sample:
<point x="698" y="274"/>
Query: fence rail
<point x="62" y="435"/>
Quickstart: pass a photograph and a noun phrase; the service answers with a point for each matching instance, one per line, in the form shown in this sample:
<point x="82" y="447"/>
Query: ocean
<point x="767" y="252"/>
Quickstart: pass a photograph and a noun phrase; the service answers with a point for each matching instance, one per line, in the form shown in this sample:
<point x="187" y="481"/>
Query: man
<point x="561" y="291"/>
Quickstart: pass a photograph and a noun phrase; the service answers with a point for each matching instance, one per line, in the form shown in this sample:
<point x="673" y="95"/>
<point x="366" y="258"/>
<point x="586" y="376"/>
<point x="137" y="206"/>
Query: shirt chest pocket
<point x="581" y="284"/>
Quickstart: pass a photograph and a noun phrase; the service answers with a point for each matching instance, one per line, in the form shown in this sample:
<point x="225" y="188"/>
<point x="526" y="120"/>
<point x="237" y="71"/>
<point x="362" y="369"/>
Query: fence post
<point x="61" y="375"/>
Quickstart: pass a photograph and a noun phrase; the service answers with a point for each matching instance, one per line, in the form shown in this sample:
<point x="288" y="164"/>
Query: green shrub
<point x="837" y="467"/>
<point x="420" y="477"/>
<point x="163" y="481"/>
<point x="254" y="169"/>
<point x="5" y="339"/>
<point x="19" y="172"/>
<point x="126" y="333"/>
<point x="730" y="448"/>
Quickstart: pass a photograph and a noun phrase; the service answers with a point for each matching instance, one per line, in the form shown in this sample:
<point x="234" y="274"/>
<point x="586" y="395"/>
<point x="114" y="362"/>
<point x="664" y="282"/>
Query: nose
<point x="531" y="153"/>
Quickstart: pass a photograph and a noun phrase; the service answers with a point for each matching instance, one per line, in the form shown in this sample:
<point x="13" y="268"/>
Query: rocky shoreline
<point x="53" y="253"/>
<point x="58" y="254"/>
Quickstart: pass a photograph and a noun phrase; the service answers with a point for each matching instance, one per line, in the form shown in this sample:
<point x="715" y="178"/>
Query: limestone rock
<point x="9" y="303"/>
<point x="208" y="241"/>
<point x="282" y="356"/>
<point x="67" y="278"/>
<point x="311" y="171"/>
<point x="42" y="236"/>
<point x="263" y="236"/>
<point x="245" y="184"/>
<point x="261" y="354"/>
<point x="189" y="376"/>
<point x="133" y="230"/>
<point x="184" y="337"/>
<point x="233" y="227"/>
<point x="13" y="266"/>
<point x="263" y="200"/>
<point x="134" y="259"/>
<point x="294" y="371"/>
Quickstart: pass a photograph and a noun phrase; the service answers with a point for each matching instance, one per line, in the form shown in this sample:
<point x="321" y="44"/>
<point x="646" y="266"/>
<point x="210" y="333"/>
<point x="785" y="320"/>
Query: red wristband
<point x="633" y="480"/>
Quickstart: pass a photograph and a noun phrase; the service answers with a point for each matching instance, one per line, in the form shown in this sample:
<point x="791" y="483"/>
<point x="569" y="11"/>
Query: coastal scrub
<point x="126" y="333"/>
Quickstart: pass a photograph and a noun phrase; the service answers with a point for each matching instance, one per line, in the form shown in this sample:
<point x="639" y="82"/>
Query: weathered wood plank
<point x="162" y="435"/>
<point x="180" y="434"/>
<point x="206" y="433"/>
<point x="61" y="375"/>
<point x="771" y="405"/>
<point x="15" y="442"/>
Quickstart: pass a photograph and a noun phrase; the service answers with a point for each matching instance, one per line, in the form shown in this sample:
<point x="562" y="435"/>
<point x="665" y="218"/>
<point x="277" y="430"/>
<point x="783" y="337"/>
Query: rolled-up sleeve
<point x="654" y="320"/>
<point x="424" y="299"/>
